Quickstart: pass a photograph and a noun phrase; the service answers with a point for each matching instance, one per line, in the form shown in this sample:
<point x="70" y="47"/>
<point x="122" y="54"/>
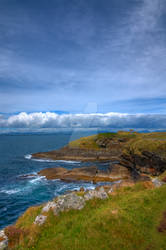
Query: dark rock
<point x="78" y="154"/>
<point x="147" y="163"/>
<point x="27" y="176"/>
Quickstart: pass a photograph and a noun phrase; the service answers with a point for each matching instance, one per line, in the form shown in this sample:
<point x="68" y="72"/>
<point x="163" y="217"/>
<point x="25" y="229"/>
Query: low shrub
<point x="14" y="235"/>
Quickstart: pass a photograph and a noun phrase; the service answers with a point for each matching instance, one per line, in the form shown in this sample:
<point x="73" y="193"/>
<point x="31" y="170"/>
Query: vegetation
<point x="88" y="142"/>
<point x="131" y="219"/>
<point x="139" y="145"/>
<point x="91" y="142"/>
<point x="162" y="177"/>
<point x="132" y="142"/>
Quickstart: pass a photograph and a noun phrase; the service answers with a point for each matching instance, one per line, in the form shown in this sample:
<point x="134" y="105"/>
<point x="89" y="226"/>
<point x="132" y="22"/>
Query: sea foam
<point x="10" y="191"/>
<point x="37" y="179"/>
<point x="28" y="157"/>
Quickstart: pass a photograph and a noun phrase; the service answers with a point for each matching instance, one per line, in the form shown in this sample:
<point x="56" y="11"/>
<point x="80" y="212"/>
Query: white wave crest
<point x="69" y="162"/>
<point x="42" y="160"/>
<point x="50" y="160"/>
<point x="28" y="157"/>
<point x="37" y="179"/>
<point x="10" y="191"/>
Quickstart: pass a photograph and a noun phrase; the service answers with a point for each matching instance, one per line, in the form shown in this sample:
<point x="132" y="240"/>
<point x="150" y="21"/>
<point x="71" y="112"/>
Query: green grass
<point x="137" y="146"/>
<point x="108" y="135"/>
<point x="128" y="220"/>
<point x="137" y="142"/>
<point x="88" y="142"/>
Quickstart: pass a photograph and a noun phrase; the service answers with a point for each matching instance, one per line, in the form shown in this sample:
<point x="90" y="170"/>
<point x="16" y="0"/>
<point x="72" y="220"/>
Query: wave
<point x="10" y="191"/>
<point x="86" y="187"/>
<point x="38" y="179"/>
<point x="29" y="157"/>
<point x="70" y="162"/>
<point x="42" y="160"/>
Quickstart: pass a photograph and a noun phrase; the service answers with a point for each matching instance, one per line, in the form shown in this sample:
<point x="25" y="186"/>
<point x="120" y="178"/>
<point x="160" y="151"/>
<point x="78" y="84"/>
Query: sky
<point x="63" y="62"/>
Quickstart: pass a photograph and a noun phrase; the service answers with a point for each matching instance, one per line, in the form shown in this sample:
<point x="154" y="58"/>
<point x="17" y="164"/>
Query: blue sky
<point x="83" y="56"/>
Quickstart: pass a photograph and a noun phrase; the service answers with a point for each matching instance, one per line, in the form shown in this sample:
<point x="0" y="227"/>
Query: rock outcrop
<point x="64" y="202"/>
<point x="3" y="240"/>
<point x="157" y="182"/>
<point x="144" y="163"/>
<point x="40" y="220"/>
<point x="113" y="173"/>
<point x="78" y="154"/>
<point x="73" y="200"/>
<point x="67" y="202"/>
<point x="100" y="194"/>
<point x="141" y="153"/>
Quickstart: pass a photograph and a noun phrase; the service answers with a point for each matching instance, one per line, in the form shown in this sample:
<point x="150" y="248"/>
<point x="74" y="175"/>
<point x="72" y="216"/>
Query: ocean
<point x="17" y="192"/>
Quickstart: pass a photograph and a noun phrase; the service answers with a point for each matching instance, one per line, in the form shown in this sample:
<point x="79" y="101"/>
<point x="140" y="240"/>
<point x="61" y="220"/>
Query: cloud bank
<point x="41" y="120"/>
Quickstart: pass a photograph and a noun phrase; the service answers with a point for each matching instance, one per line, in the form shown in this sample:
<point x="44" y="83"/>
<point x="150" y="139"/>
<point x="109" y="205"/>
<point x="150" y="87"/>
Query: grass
<point x="85" y="143"/>
<point x="90" y="142"/>
<point x="132" y="141"/>
<point x="127" y="220"/>
<point x="162" y="176"/>
<point x="137" y="146"/>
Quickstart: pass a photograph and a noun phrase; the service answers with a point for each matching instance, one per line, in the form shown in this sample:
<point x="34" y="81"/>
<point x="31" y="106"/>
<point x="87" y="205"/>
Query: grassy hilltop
<point x="130" y="141"/>
<point x="131" y="218"/>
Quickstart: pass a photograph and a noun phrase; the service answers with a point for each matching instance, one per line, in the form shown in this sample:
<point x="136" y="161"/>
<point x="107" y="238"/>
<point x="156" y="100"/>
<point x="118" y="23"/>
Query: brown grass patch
<point x="162" y="226"/>
<point x="114" y="212"/>
<point x="2" y="238"/>
<point x="148" y="185"/>
<point x="164" y="179"/>
<point x="14" y="235"/>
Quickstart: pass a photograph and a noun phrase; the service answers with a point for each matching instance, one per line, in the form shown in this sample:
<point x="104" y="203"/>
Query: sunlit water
<point x="17" y="193"/>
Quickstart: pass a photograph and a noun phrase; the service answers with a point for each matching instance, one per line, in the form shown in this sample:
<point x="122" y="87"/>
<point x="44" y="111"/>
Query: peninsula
<point x="132" y="155"/>
<point x="129" y="214"/>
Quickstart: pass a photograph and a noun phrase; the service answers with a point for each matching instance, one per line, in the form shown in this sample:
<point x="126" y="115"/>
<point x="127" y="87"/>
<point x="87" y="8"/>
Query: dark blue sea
<point x="17" y="193"/>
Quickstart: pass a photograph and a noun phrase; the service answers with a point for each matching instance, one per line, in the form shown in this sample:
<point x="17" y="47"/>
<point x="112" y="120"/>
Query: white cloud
<point x="93" y="120"/>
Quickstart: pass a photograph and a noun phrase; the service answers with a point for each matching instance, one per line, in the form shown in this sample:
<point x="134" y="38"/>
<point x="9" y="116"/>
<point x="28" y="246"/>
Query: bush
<point x="14" y="235"/>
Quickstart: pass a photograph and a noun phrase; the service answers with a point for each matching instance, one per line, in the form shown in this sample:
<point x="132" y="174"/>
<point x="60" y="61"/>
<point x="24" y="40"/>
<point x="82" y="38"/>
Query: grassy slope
<point x="89" y="142"/>
<point x="85" y="142"/>
<point x="128" y="220"/>
<point x="146" y="144"/>
<point x="134" y="142"/>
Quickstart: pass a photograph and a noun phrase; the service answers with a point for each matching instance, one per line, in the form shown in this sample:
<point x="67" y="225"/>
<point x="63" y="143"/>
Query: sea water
<point x="18" y="192"/>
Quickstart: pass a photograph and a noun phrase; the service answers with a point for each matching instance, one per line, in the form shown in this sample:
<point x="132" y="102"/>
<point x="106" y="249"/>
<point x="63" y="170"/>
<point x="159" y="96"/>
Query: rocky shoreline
<point x="143" y="155"/>
<point x="73" y="200"/>
<point x="114" y="173"/>
<point x="135" y="164"/>
<point x="75" y="154"/>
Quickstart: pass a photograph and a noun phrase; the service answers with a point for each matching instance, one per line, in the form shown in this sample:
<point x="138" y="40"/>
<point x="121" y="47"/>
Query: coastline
<point x="137" y="172"/>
